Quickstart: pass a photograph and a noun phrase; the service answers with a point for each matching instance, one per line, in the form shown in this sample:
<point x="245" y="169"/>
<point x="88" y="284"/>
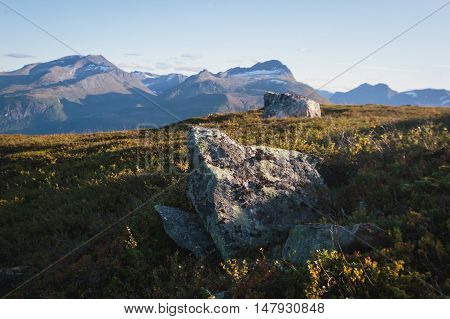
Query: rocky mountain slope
<point x="73" y="93"/>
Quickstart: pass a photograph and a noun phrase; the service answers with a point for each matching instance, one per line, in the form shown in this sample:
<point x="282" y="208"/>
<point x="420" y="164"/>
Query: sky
<point x="317" y="40"/>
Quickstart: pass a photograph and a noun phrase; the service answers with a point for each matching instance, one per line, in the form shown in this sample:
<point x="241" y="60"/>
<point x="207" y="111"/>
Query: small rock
<point x="305" y="240"/>
<point x="186" y="229"/>
<point x="287" y="104"/>
<point x="249" y="196"/>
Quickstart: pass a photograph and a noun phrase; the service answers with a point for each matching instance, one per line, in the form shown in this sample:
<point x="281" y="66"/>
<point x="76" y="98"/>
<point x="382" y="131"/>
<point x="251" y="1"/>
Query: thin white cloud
<point x="188" y="69"/>
<point x="446" y="66"/>
<point x="132" y="54"/>
<point x="189" y="56"/>
<point x="19" y="55"/>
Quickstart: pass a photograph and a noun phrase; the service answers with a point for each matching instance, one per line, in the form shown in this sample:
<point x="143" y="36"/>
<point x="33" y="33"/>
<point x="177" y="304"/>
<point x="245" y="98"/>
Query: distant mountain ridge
<point x="383" y="94"/>
<point x="89" y="93"/>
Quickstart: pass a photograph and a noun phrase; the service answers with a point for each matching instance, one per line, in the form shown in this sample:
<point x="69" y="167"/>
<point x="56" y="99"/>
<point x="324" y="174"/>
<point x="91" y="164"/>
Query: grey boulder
<point x="186" y="229"/>
<point x="305" y="240"/>
<point x="287" y="104"/>
<point x="249" y="196"/>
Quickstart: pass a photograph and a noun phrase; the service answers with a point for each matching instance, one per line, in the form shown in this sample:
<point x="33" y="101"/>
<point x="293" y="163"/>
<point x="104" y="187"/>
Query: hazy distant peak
<point x="381" y="93"/>
<point x="379" y="85"/>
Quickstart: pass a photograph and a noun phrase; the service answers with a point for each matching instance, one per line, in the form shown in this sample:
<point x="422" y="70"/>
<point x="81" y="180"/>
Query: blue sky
<point x="315" y="39"/>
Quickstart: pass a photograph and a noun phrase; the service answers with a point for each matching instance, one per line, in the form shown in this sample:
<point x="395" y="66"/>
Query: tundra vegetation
<point x="384" y="165"/>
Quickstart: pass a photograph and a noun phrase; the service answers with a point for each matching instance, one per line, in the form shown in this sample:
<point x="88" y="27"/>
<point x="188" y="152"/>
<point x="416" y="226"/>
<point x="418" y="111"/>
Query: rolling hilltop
<point x="385" y="165"/>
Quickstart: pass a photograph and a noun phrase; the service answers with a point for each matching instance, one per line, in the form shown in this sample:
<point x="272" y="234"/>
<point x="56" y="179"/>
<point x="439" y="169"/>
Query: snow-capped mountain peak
<point x="268" y="69"/>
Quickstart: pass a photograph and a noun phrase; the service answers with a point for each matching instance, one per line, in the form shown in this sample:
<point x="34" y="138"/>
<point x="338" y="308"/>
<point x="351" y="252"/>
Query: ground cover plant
<point x="385" y="165"/>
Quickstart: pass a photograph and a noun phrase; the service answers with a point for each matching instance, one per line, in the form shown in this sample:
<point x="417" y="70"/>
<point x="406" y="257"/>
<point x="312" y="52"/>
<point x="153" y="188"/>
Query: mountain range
<point x="89" y="93"/>
<point x="383" y="94"/>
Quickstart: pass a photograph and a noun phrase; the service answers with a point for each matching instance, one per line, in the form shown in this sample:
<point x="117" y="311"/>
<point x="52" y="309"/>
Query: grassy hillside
<point x="387" y="165"/>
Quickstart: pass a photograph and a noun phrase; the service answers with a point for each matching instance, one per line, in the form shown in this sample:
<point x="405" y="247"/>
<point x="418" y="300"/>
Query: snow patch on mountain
<point x="278" y="81"/>
<point x="150" y="76"/>
<point x="95" y="67"/>
<point x="411" y="93"/>
<point x="265" y="73"/>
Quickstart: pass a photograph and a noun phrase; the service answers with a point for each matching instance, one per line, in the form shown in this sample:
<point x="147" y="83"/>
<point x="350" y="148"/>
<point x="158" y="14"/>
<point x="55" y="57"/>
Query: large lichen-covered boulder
<point x="288" y="104"/>
<point x="305" y="240"/>
<point x="186" y="229"/>
<point x="249" y="196"/>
